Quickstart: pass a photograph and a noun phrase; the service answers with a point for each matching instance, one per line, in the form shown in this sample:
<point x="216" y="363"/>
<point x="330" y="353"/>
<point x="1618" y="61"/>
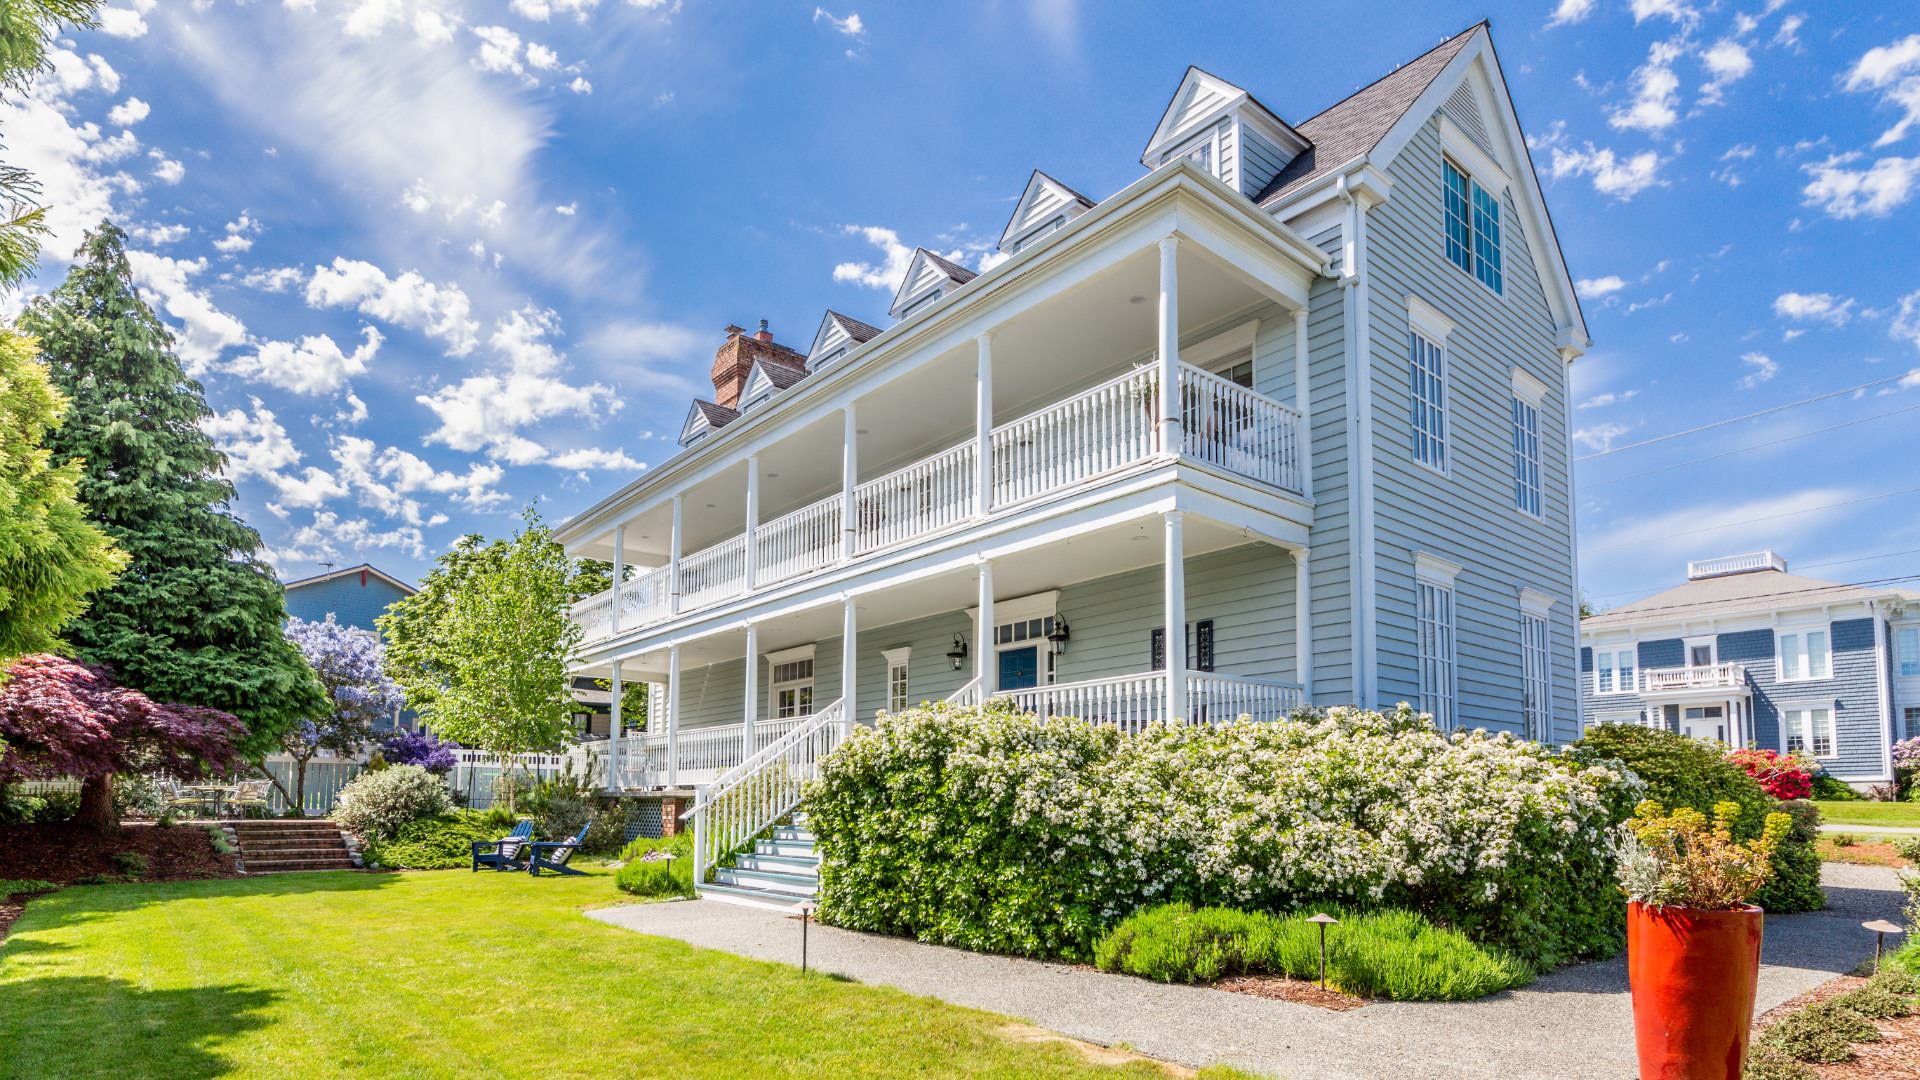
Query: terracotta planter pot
<point x="1693" y="975"/>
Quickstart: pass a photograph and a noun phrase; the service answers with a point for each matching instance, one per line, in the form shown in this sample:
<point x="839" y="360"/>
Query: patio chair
<point x="181" y="797"/>
<point x="554" y="856"/>
<point x="508" y="851"/>
<point x="248" y="793"/>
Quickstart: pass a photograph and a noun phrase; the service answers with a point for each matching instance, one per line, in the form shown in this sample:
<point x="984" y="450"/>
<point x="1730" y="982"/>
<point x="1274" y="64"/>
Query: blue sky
<point x="435" y="259"/>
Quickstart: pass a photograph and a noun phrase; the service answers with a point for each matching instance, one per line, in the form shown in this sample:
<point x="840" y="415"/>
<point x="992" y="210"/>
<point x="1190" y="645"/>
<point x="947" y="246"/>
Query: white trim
<point x="1021" y="608"/>
<point x="1465" y="150"/>
<point x="1219" y="346"/>
<point x="1687" y="645"/>
<point x="798" y="652"/>
<point x="1528" y="388"/>
<point x="1800" y="631"/>
<point x="1435" y="570"/>
<point x="1833" y="732"/>
<point x="1425" y="319"/>
<point x="1535" y="602"/>
<point x="898" y="656"/>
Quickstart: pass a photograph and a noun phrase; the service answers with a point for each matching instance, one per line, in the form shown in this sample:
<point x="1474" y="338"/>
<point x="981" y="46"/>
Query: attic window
<point x="920" y="303"/>
<point x="830" y="358"/>
<point x="1472" y="226"/>
<point x="1040" y="234"/>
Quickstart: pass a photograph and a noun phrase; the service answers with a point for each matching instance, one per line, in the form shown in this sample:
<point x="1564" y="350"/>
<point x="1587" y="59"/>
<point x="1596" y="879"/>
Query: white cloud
<point x="124" y="22"/>
<point x="1894" y="71"/>
<point x="274" y="280"/>
<point x="1776" y="519"/>
<point x="1728" y="62"/>
<point x="850" y="26"/>
<point x="70" y="159"/>
<point x="1874" y="191"/>
<point x="1814" y="307"/>
<point x="580" y="85"/>
<point x="1764" y="368"/>
<point x="1601" y="401"/>
<point x="159" y="234"/>
<point x="1670" y="9"/>
<point x="314" y="365"/>
<point x="1789" y="32"/>
<point x="1599" y="437"/>
<point x="254" y="442"/>
<point x="1656" y="92"/>
<point x="539" y="56"/>
<point x="893" y="265"/>
<point x="323" y="539"/>
<point x="499" y="50"/>
<point x="567" y="209"/>
<point x="1593" y="288"/>
<point x="1571" y="11"/>
<point x="1906" y="323"/>
<point x="206" y="331"/>
<point x="129" y="112"/>
<point x="385" y="479"/>
<point x="587" y="460"/>
<point x="542" y="10"/>
<point x="240" y="234"/>
<point x="167" y="170"/>
<point x="1617" y="177"/>
<point x="410" y="300"/>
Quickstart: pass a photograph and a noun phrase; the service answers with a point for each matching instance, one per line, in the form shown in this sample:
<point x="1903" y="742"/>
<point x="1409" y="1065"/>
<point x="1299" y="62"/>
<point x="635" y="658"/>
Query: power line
<point x="1749" y="416"/>
<point x="1868" y="584"/>
<point x="1745" y="449"/>
<point x="1766" y="517"/>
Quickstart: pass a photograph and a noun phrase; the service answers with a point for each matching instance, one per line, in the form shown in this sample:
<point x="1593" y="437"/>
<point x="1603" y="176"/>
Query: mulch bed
<point x="1895" y="1057"/>
<point x="65" y="855"/>
<point x="1281" y="988"/>
<point x="1860" y="853"/>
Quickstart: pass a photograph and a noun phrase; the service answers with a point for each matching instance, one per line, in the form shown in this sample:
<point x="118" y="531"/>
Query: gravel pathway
<point x="1574" y="1023"/>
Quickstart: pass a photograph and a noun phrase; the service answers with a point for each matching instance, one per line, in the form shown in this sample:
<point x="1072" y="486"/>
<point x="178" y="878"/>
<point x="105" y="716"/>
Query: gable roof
<point x="925" y="273"/>
<point x="706" y="415"/>
<point x="1203" y="97"/>
<point x="953" y="269"/>
<point x="1731" y="594"/>
<point x="838" y="331"/>
<point x="369" y="568"/>
<point x="1037" y="204"/>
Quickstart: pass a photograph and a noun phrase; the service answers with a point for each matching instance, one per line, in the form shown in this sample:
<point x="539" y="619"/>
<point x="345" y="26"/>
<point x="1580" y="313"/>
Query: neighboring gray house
<point x="1747" y="654"/>
<point x="355" y="596"/>
<point x="1299" y="392"/>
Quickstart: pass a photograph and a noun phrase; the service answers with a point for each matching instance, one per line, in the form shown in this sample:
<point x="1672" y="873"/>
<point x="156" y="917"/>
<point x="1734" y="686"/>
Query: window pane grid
<point x="1537" y="679"/>
<point x="1472" y="226"/>
<point x="1427" y="377"/>
<point x="897" y="688"/>
<point x="1526" y="456"/>
<point x="1907" y="646"/>
<point x="1436" y="654"/>
<point x="1486" y="238"/>
<point x="1459" y="229"/>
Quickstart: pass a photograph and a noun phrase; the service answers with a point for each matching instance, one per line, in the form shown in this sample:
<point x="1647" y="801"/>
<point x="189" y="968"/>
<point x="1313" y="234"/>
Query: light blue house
<point x="354" y="597"/>
<point x="1747" y="654"/>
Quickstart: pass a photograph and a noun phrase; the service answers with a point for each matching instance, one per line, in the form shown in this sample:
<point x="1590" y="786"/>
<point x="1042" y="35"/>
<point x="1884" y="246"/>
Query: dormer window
<point x="1222" y="130"/>
<point x="1201" y="154"/>
<point x="838" y="336"/>
<point x="1044" y="208"/>
<point x="928" y="278"/>
<point x="920" y="303"/>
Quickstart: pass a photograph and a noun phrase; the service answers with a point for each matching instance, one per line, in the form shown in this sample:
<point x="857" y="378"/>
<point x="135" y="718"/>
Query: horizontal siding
<point x="1332" y="534"/>
<point x="1260" y="161"/>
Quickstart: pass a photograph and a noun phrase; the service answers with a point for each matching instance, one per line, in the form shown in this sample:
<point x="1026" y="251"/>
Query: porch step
<point x="271" y="847"/>
<point x="781" y="863"/>
<point x="778" y="846"/>
<point x="754" y="898"/>
<point x="801" y="885"/>
<point x="263" y="844"/>
<point x="779" y="874"/>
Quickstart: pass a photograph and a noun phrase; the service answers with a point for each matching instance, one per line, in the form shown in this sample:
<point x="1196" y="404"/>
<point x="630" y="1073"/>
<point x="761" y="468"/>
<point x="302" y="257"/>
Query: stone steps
<point x="781" y="873"/>
<point x="271" y="846"/>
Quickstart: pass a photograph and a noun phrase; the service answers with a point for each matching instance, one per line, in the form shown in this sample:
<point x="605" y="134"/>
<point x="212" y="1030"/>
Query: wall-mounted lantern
<point x="1057" y="637"/>
<point x="957" y="654"/>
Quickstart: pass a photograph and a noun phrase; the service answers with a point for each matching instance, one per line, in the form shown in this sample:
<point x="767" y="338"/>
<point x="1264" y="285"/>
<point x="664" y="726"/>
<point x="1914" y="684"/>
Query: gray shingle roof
<point x="717" y="414"/>
<point x="1735" y="593"/>
<point x="780" y="375"/>
<point x="855" y="329"/>
<point x="1352" y="127"/>
<point x="952" y="269"/>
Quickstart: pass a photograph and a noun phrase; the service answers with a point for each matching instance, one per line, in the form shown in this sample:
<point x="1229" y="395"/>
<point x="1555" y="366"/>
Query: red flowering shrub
<point x="1784" y="776"/>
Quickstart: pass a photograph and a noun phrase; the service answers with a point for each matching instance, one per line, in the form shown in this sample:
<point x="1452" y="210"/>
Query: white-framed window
<point x="1536" y="683"/>
<point x="1613" y="670"/>
<point x="1910" y="720"/>
<point x="1427" y="374"/>
<point x="1804" y="655"/>
<point x="1808" y="731"/>
<point x="1906" y="650"/>
<point x="1434" y="632"/>
<point x="790" y="691"/>
<point x="1472" y="226"/>
<point x="1701" y="651"/>
<point x="1526" y="456"/>
<point x="899" y="690"/>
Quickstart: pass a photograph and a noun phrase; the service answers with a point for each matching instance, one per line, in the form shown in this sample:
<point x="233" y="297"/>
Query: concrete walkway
<point x="1868" y="830"/>
<point x="1573" y="1023"/>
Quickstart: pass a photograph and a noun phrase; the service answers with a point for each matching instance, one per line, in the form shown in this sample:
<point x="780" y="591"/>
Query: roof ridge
<point x="954" y="270"/>
<point x="1397" y="68"/>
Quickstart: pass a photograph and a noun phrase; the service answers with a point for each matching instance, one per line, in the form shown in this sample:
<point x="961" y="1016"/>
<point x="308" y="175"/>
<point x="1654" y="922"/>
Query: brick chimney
<point x="736" y="356"/>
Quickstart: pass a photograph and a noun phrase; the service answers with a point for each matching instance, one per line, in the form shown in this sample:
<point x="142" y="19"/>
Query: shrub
<point x="1876" y="1001"/>
<point x="131" y="863"/>
<point x="218" y="838"/>
<point x="374" y="805"/>
<point x="416" y="748"/>
<point x="657" y="877"/>
<point x="680" y="843"/>
<point x="1827" y="789"/>
<point x="444" y="842"/>
<point x="1783" y="776"/>
<point x="1766" y="1063"/>
<point x="999" y="832"/>
<point x="16" y="886"/>
<point x="1683" y="860"/>
<point x="1679" y="771"/>
<point x="138" y="795"/>
<point x="1389" y="954"/>
<point x="1823" y="1033"/>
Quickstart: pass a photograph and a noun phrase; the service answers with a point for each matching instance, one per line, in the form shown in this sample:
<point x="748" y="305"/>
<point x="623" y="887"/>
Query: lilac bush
<point x="418" y="748"/>
<point x="348" y="662"/>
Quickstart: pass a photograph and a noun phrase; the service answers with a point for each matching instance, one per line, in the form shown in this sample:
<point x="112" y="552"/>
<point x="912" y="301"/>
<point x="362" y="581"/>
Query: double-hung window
<point x="1613" y="670"/>
<point x="1472" y="226"/>
<point x="1910" y="719"/>
<point x="1434" y="631"/>
<point x="1427" y="373"/>
<point x="1808" y="731"/>
<point x="1526" y="455"/>
<point x="1906" y="650"/>
<point x="1804" y="655"/>
<point x="793" y="688"/>
<point x="1536" y="684"/>
<point x="898" y="690"/>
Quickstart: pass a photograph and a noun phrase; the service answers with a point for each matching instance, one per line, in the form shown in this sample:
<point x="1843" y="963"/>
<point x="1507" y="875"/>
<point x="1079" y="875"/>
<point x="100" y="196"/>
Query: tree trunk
<point x="96" y="804"/>
<point x="275" y="781"/>
<point x="299" y="800"/>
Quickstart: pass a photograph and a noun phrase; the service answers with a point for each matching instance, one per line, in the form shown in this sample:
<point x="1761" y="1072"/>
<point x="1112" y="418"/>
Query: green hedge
<point x="444" y="842"/>
<point x="1679" y="771"/>
<point x="1397" y="955"/>
<point x="657" y="877"/>
<point x="998" y="832"/>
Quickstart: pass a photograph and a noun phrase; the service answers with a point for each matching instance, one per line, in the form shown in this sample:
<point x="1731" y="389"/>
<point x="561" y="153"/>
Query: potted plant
<point x="1693" y="940"/>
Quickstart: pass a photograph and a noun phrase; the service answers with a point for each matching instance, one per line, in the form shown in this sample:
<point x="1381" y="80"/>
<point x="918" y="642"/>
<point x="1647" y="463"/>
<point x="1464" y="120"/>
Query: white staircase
<point x="781" y="873"/>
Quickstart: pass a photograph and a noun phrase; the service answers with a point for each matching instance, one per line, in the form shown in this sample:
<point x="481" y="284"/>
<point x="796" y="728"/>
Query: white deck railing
<point x="966" y="695"/>
<point x="1131" y="702"/>
<point x="1708" y="677"/>
<point x="752" y="796"/>
<point x="1108" y="427"/>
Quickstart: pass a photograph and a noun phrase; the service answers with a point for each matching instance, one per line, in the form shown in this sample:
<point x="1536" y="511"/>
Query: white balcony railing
<point x="1710" y="677"/>
<point x="702" y="752"/>
<point x="1131" y="702"/>
<point x="1111" y="426"/>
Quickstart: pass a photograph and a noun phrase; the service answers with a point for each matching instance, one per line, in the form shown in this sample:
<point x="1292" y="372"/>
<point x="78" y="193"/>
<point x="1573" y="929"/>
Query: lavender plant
<point x="420" y="748"/>
<point x="359" y="693"/>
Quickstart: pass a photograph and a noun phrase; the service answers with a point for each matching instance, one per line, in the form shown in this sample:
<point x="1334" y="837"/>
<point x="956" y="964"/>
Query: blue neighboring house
<point x="1745" y="653"/>
<point x="354" y="597"/>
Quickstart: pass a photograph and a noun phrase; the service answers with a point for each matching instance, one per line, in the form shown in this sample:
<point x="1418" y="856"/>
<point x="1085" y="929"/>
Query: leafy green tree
<point x="481" y="650"/>
<point x="26" y="26"/>
<point x="591" y="577"/>
<point x="51" y="557"/>
<point x="196" y="617"/>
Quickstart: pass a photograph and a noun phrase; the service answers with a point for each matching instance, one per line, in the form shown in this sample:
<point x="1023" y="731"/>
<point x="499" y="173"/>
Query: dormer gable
<point x="1044" y="208"/>
<point x="1225" y="131"/>
<point x="766" y="379"/>
<point x="838" y="335"/>
<point x="703" y="419"/>
<point x="929" y="277"/>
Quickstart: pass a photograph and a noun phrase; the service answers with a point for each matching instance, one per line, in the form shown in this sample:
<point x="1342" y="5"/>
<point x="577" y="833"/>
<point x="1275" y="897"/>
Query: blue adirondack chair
<point x="507" y="852"/>
<point x="554" y="856"/>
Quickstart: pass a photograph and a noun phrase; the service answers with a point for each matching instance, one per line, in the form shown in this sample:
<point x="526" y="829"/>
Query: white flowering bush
<point x="374" y="805"/>
<point x="990" y="830"/>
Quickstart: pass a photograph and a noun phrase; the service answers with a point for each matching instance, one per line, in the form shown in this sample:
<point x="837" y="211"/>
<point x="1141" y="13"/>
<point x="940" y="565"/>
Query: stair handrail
<point x="969" y="694"/>
<point x="746" y="799"/>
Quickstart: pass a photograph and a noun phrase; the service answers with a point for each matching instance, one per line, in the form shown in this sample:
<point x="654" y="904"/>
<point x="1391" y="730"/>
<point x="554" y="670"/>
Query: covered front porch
<point x="1072" y="626"/>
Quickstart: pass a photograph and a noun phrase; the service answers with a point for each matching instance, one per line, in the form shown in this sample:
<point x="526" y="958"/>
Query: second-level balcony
<point x="1673" y="680"/>
<point x="1109" y="427"/>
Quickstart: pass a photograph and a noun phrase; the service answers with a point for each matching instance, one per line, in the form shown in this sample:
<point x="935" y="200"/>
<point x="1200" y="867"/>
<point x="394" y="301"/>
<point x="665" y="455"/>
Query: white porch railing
<point x="798" y="543"/>
<point x="1708" y="677"/>
<point x="1131" y="702"/>
<point x="966" y="695"/>
<point x="752" y="796"/>
<point x="1094" y="431"/>
<point x="924" y="497"/>
<point x="1110" y="426"/>
<point x="702" y="753"/>
<point x="1216" y="697"/>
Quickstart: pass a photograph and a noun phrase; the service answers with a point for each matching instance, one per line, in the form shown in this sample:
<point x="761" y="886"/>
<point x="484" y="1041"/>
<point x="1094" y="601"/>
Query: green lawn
<point x="1870" y="813"/>
<point x="444" y="974"/>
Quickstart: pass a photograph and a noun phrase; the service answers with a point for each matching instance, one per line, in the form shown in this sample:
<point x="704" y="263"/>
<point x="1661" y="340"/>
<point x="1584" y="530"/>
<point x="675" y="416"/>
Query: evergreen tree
<point x="196" y="617"/>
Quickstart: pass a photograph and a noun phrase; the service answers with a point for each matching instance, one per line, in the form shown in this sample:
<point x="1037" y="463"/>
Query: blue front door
<point x="1020" y="668"/>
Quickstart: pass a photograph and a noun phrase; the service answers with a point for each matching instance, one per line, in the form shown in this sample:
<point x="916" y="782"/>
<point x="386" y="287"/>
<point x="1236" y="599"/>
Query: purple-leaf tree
<point x="418" y="748"/>
<point x="62" y="718"/>
<point x="348" y="662"/>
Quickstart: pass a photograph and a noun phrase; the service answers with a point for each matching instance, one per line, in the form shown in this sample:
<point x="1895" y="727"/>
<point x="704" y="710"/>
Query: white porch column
<point x="1303" y="398"/>
<point x="753" y="520"/>
<point x="849" y="479"/>
<point x="1303" y="620"/>
<point x="619" y="572"/>
<point x="753" y="691"/>
<point x="614" y="731"/>
<point x="849" y="659"/>
<point x="673" y="561"/>
<point x="1171" y="441"/>
<point x="1175" y="578"/>
<point x="983" y="426"/>
<point x="673" y="716"/>
<point x="986" y="661"/>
